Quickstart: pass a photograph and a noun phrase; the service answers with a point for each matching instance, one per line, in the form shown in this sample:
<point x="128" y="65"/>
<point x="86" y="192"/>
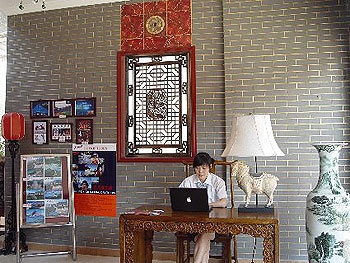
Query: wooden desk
<point x="136" y="231"/>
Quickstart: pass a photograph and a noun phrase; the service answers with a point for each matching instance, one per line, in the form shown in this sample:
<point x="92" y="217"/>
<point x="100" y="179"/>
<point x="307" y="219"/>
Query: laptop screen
<point x="189" y="199"/>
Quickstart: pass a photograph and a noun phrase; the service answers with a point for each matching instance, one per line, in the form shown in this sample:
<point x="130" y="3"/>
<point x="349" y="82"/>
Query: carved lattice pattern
<point x="157" y="104"/>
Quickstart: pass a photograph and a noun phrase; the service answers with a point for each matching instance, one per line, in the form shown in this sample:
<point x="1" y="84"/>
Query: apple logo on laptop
<point x="189" y="199"/>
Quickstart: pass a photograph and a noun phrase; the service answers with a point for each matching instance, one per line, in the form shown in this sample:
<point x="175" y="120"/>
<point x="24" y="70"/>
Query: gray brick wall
<point x="68" y="53"/>
<point x="288" y="59"/>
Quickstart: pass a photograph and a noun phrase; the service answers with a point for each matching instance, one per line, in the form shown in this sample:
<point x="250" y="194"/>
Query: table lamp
<point x="252" y="136"/>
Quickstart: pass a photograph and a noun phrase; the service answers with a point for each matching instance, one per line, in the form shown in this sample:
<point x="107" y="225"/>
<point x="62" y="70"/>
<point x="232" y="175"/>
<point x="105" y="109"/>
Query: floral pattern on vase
<point x="328" y="212"/>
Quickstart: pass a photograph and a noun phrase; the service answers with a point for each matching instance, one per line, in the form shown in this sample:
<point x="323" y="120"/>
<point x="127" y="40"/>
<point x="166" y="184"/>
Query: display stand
<point x="46" y="198"/>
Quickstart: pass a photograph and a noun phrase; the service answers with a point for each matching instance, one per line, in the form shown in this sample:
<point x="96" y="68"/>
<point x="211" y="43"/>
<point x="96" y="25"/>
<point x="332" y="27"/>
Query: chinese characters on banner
<point x="94" y="179"/>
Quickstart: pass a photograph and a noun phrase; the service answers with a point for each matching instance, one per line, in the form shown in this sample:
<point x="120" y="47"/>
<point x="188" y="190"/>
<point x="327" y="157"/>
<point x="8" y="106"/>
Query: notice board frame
<point x="46" y="197"/>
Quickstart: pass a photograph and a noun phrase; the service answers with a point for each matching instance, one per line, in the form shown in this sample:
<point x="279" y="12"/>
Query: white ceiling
<point x="10" y="7"/>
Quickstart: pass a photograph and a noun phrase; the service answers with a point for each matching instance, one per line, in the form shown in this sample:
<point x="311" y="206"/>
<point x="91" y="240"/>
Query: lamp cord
<point x="254" y="250"/>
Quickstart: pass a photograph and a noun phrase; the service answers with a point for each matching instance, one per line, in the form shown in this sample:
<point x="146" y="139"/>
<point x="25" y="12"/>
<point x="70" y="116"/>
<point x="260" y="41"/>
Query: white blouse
<point x="215" y="185"/>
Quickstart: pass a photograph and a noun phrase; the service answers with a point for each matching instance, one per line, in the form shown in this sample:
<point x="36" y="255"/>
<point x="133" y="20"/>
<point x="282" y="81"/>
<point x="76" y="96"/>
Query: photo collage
<point x="44" y="190"/>
<point x="87" y="172"/>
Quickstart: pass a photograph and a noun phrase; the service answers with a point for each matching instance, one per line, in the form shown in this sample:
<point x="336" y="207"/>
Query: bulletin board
<point x="46" y="192"/>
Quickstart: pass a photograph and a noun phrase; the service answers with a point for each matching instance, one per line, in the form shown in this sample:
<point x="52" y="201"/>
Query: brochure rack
<point x="45" y="198"/>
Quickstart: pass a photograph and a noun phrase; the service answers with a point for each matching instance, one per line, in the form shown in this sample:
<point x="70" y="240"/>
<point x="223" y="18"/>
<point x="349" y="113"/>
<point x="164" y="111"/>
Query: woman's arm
<point x="219" y="203"/>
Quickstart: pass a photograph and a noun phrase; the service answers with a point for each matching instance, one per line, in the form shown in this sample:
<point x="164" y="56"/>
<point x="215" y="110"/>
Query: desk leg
<point x="143" y="246"/>
<point x="277" y="244"/>
<point x="149" y="247"/>
<point x="122" y="239"/>
<point x="128" y="246"/>
<point x="143" y="252"/>
<point x="134" y="246"/>
<point x="271" y="247"/>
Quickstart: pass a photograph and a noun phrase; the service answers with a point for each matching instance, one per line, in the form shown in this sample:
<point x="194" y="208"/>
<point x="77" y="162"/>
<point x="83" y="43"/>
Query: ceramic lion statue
<point x="264" y="184"/>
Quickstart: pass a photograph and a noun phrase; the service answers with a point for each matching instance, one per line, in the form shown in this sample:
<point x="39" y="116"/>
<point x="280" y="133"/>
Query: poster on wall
<point x="46" y="189"/>
<point x="94" y="179"/>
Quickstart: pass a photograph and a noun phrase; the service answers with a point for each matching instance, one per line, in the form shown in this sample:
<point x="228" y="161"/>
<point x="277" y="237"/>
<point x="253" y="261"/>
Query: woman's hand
<point x="220" y="203"/>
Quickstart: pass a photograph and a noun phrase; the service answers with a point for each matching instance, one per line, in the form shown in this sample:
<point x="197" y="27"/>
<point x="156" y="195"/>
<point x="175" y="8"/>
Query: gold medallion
<point x="155" y="25"/>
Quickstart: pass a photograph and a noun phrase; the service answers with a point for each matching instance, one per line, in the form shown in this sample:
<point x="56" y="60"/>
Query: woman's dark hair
<point x="202" y="158"/>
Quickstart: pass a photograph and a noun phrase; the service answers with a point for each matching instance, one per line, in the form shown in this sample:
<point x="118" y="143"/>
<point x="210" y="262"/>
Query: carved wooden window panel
<point x="156" y="106"/>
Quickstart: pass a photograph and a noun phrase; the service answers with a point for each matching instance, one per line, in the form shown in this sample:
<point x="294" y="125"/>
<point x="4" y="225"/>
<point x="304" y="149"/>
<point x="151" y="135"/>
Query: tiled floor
<point x="66" y="259"/>
<point x="81" y="258"/>
<point x="60" y="259"/>
<point x="95" y="259"/>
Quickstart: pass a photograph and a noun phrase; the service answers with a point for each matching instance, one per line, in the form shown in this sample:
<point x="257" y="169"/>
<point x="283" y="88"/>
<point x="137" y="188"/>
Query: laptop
<point x="189" y="199"/>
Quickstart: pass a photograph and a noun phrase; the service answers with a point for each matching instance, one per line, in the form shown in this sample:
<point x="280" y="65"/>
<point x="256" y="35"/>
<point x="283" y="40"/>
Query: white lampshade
<point x="252" y="136"/>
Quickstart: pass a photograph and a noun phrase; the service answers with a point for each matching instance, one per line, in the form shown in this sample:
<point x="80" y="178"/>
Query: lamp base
<point x="256" y="209"/>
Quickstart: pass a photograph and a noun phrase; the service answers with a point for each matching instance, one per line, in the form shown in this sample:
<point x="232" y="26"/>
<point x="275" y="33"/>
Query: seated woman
<point x="217" y="197"/>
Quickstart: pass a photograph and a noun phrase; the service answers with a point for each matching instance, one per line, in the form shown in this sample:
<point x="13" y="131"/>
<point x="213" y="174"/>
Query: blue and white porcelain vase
<point x="328" y="212"/>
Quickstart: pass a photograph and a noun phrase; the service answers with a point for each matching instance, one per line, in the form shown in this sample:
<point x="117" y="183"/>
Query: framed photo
<point x="62" y="108"/>
<point x="40" y="132"/>
<point x="85" y="107"/>
<point x="40" y="109"/>
<point x="84" y="131"/>
<point x="61" y="132"/>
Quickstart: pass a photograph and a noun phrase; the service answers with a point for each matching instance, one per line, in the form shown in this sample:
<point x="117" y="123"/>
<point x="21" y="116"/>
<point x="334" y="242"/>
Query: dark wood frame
<point x="70" y="127"/>
<point x="89" y="130"/>
<point x="122" y="110"/>
<point x="40" y="102"/>
<point x="46" y="132"/>
<point x="91" y="100"/>
<point x="53" y="108"/>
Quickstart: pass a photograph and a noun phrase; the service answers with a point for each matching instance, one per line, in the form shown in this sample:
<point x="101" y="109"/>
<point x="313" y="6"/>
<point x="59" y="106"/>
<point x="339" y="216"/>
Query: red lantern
<point x="13" y="126"/>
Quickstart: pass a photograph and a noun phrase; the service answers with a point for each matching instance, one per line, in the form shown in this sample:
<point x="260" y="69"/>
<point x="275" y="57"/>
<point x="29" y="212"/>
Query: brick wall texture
<point x="289" y="59"/>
